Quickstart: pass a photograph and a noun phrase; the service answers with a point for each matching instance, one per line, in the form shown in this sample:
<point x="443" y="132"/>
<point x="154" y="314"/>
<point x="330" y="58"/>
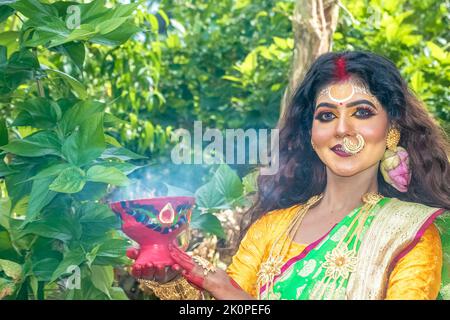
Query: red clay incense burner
<point x="155" y="223"/>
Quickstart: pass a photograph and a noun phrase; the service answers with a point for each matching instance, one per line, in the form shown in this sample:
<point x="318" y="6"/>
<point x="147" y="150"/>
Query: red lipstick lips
<point x="339" y="150"/>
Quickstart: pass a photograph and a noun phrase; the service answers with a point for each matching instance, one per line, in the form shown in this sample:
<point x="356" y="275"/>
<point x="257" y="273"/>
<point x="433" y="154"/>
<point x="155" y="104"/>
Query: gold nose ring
<point x="351" y="147"/>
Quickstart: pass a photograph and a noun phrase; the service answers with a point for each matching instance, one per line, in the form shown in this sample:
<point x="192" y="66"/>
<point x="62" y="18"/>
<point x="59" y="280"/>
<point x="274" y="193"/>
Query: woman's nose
<point x="344" y="127"/>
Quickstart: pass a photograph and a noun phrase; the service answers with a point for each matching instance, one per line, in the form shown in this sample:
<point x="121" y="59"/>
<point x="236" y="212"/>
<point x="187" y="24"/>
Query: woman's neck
<point x="346" y="192"/>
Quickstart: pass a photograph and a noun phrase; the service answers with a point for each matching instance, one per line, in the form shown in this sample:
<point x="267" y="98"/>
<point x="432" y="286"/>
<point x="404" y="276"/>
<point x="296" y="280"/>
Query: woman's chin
<point x="345" y="171"/>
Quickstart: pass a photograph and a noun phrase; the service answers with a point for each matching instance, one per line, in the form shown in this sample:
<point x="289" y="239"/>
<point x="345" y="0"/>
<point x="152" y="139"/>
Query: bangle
<point x="178" y="289"/>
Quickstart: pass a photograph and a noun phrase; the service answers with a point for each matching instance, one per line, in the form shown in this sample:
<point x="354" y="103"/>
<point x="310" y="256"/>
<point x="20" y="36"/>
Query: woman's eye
<point x="325" y="116"/>
<point x="363" y="113"/>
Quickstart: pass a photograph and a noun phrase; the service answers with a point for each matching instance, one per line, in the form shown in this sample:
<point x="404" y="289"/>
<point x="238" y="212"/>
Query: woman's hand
<point x="150" y="271"/>
<point x="217" y="283"/>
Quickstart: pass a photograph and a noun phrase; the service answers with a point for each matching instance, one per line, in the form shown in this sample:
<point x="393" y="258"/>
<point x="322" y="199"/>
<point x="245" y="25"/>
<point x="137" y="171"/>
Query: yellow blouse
<point x="416" y="276"/>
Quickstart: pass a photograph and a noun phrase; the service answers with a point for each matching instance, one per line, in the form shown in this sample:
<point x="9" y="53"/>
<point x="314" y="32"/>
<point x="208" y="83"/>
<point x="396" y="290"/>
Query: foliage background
<point x="157" y="66"/>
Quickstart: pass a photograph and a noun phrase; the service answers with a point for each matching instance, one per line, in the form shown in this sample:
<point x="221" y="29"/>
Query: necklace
<point x="272" y="267"/>
<point x="340" y="261"/>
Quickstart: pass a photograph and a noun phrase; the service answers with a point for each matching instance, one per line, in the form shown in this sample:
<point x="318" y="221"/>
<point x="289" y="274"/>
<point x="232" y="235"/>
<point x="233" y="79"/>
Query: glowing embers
<point x="164" y="221"/>
<point x="167" y="214"/>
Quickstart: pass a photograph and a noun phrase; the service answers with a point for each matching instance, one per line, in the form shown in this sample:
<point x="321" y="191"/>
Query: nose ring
<point x="351" y="147"/>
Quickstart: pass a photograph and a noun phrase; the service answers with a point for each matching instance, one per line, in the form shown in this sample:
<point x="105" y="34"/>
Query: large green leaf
<point x="5" y="170"/>
<point x="109" y="175"/>
<point x="228" y="183"/>
<point x="71" y="258"/>
<point x="102" y="278"/>
<point x="97" y="220"/>
<point x="76" y="85"/>
<point x="70" y="180"/>
<point x="34" y="8"/>
<point x="113" y="252"/>
<point x="50" y="171"/>
<point x="92" y="191"/>
<point x="62" y="227"/>
<point x="40" y="196"/>
<point x="125" y="167"/>
<point x="5" y="12"/>
<point x="39" y="144"/>
<point x="3" y="132"/>
<point x="207" y="222"/>
<point x="43" y="269"/>
<point x="75" y="51"/>
<point x="87" y="143"/>
<point x="38" y="113"/>
<point x="208" y="196"/>
<point x="80" y="113"/>
<point x="121" y="154"/>
<point x="118" y="36"/>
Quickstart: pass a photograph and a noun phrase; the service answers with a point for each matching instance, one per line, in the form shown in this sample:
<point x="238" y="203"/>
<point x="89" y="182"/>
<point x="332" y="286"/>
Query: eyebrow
<point x="351" y="104"/>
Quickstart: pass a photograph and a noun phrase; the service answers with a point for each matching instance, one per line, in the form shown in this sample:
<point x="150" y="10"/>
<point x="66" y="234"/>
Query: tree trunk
<point x="313" y="22"/>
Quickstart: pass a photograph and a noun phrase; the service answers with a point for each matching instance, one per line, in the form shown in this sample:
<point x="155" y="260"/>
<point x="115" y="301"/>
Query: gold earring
<point x="392" y="139"/>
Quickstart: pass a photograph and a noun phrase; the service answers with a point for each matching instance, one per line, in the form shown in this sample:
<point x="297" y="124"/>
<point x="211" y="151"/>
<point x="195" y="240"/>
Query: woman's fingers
<point x="182" y="259"/>
<point x="188" y="268"/>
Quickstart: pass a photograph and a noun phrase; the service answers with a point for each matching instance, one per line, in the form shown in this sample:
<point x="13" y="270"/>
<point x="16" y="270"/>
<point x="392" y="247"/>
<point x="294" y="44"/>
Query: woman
<point x="357" y="209"/>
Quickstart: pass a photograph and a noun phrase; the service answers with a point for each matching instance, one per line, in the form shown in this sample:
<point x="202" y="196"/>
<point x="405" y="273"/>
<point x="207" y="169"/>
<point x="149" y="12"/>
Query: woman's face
<point x="344" y="110"/>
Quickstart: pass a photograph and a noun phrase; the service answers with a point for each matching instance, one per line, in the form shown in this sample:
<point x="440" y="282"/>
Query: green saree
<point x="327" y="270"/>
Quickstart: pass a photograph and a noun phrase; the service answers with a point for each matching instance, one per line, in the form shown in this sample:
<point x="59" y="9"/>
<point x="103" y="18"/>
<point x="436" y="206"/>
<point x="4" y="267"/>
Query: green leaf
<point x="112" y="252"/>
<point x="92" y="191"/>
<point x="207" y="196"/>
<point x="87" y="143"/>
<point x="113" y="121"/>
<point x="102" y="278"/>
<point x="79" y="113"/>
<point x="109" y="175"/>
<point x="9" y="39"/>
<point x="40" y="196"/>
<point x="39" y="144"/>
<point x="118" y="293"/>
<point x="76" y="85"/>
<point x="34" y="8"/>
<point x="207" y="222"/>
<point x="44" y="268"/>
<point x="250" y="182"/>
<point x="5" y="170"/>
<point x="71" y="258"/>
<point x="228" y="183"/>
<point x="112" y="141"/>
<point x="110" y="25"/>
<point x="50" y="171"/>
<point x="5" y="12"/>
<point x="91" y="212"/>
<point x="437" y="52"/>
<point x="38" y="113"/>
<point x="62" y="227"/>
<point x="5" y="209"/>
<point x="11" y="269"/>
<point x="75" y="51"/>
<point x="70" y="180"/>
<point x="3" y="132"/>
<point x="121" y="154"/>
<point x="125" y="167"/>
<point x="116" y="37"/>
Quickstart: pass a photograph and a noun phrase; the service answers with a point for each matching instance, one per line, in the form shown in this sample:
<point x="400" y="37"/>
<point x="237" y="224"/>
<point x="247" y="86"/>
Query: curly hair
<point x="302" y="174"/>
